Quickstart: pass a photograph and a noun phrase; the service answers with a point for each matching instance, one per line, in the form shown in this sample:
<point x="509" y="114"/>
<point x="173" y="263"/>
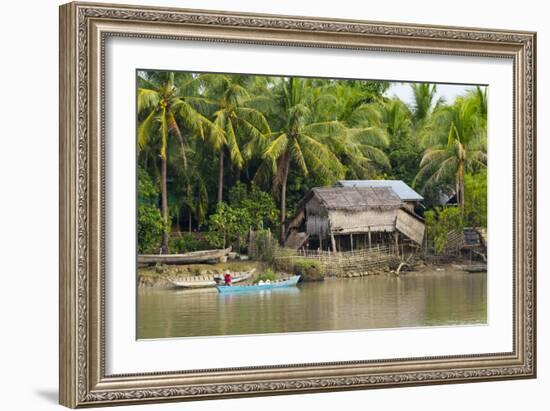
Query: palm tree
<point x="396" y="118"/>
<point x="356" y="132"/>
<point x="479" y="97"/>
<point x="404" y="150"/>
<point x="424" y="102"/>
<point x="456" y="141"/>
<point x="240" y="124"/>
<point x="300" y="140"/>
<point x="167" y="104"/>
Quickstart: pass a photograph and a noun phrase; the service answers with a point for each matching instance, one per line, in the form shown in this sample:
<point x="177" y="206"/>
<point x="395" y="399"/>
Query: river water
<point x="386" y="301"/>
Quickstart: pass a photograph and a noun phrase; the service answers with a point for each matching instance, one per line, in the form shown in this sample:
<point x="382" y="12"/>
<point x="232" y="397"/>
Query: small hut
<point x="344" y="218"/>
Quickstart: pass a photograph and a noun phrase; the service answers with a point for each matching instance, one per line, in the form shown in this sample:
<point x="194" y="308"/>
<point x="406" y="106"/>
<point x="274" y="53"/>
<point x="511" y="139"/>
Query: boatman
<point x="227" y="278"/>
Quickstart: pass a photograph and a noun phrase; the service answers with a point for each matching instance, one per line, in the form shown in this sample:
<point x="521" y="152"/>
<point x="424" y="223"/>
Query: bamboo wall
<point x="411" y="226"/>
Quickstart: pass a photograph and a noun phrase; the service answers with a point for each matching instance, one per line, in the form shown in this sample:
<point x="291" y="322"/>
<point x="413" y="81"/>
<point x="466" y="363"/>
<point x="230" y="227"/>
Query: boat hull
<point x="210" y="281"/>
<point x="290" y="282"/>
<point x="195" y="257"/>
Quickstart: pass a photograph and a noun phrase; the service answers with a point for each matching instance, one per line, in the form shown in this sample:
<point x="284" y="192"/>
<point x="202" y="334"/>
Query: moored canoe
<point x="287" y="282"/>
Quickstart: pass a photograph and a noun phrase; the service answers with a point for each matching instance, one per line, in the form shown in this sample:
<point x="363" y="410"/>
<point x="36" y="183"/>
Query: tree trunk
<point x="220" y="178"/>
<point x="286" y="165"/>
<point x="164" y="204"/>
<point x="460" y="188"/>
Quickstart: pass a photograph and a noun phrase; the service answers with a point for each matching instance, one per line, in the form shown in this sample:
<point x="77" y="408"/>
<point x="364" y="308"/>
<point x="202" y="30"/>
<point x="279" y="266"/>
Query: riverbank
<point x="159" y="276"/>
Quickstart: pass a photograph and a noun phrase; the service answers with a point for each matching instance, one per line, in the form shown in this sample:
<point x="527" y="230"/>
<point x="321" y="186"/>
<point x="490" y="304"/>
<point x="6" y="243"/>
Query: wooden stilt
<point x="333" y="241"/>
<point x="396" y="235"/>
<point x="370" y="241"/>
<point x="351" y="241"/>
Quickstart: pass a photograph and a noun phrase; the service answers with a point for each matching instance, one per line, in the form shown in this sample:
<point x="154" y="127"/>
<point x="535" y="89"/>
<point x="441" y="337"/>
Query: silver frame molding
<point x="84" y="27"/>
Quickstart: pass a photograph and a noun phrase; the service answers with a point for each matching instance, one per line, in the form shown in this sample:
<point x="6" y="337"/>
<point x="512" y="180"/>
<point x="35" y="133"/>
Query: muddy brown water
<point x="433" y="298"/>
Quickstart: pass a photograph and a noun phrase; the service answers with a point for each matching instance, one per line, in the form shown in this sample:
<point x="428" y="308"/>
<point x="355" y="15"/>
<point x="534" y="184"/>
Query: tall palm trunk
<point x="164" y="203"/>
<point x="220" y="178"/>
<point x="284" y="180"/>
<point x="460" y="185"/>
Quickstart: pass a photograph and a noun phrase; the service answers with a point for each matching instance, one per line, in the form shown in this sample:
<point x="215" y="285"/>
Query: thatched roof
<point x="356" y="198"/>
<point x="399" y="187"/>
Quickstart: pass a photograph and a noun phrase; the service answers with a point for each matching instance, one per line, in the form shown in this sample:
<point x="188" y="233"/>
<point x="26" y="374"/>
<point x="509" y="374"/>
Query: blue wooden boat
<point x="287" y="282"/>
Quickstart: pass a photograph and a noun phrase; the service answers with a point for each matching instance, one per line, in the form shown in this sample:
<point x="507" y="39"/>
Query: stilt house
<point x="348" y="218"/>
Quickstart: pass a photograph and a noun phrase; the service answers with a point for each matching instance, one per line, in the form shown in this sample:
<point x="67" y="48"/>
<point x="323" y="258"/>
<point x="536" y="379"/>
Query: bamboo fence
<point x="340" y="263"/>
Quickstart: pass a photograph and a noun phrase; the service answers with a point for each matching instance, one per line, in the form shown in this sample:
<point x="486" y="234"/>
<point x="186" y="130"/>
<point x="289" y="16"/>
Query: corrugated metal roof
<point x="357" y="198"/>
<point x="404" y="192"/>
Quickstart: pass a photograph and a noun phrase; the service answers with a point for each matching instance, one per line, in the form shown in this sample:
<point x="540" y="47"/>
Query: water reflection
<point x="422" y="299"/>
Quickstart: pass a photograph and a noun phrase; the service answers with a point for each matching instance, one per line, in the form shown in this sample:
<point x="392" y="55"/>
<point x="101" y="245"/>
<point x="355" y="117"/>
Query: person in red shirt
<point x="227" y="278"/>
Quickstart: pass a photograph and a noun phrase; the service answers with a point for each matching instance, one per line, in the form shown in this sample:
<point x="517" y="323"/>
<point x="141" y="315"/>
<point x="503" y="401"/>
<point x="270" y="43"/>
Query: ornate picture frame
<point x="84" y="28"/>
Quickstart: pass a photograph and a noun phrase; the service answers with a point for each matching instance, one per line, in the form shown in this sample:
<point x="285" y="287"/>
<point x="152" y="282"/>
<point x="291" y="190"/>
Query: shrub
<point x="259" y="205"/>
<point x="265" y="245"/>
<point x="268" y="274"/>
<point x="228" y="226"/>
<point x="475" y="195"/>
<point x="146" y="189"/>
<point x="150" y="227"/>
<point x="440" y="222"/>
<point x="186" y="243"/>
<point x="310" y="270"/>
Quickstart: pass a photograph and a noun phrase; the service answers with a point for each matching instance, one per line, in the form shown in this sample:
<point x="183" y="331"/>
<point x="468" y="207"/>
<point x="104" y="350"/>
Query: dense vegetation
<point x="220" y="154"/>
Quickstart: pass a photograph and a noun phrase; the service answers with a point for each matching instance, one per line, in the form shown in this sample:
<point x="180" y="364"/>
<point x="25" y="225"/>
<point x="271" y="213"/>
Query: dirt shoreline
<point x="158" y="276"/>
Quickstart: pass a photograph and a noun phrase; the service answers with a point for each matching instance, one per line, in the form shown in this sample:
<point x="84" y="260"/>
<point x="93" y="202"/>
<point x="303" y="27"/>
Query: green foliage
<point x="455" y="141"/>
<point x="279" y="137"/>
<point x="440" y="222"/>
<point x="265" y="245"/>
<point x="475" y="194"/>
<point x="247" y="209"/>
<point x="228" y="226"/>
<point x="259" y="205"/>
<point x="404" y="154"/>
<point x="310" y="270"/>
<point x="268" y="274"/>
<point x="186" y="243"/>
<point x="147" y="190"/>
<point x="150" y="224"/>
<point x="150" y="227"/>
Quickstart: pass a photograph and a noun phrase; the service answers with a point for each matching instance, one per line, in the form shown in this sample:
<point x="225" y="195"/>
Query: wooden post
<point x="370" y="241"/>
<point x="425" y="244"/>
<point x="333" y="242"/>
<point x="396" y="235"/>
<point x="351" y="240"/>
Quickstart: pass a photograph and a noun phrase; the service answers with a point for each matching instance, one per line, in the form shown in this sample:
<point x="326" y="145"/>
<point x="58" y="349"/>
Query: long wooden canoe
<point x="475" y="268"/>
<point x="472" y="268"/>
<point x="194" y="257"/>
<point x="287" y="282"/>
<point x="209" y="281"/>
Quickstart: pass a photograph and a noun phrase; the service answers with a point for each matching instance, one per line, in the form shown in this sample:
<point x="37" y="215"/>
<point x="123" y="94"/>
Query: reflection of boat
<point x="287" y="282"/>
<point x="209" y="281"/>
<point x="194" y="257"/>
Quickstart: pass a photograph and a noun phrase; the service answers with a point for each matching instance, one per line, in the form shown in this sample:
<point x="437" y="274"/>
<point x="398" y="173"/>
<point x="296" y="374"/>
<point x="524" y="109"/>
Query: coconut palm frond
<point x="147" y="99"/>
<point x="233" y="145"/>
<point x="145" y="130"/>
<point x="276" y="148"/>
